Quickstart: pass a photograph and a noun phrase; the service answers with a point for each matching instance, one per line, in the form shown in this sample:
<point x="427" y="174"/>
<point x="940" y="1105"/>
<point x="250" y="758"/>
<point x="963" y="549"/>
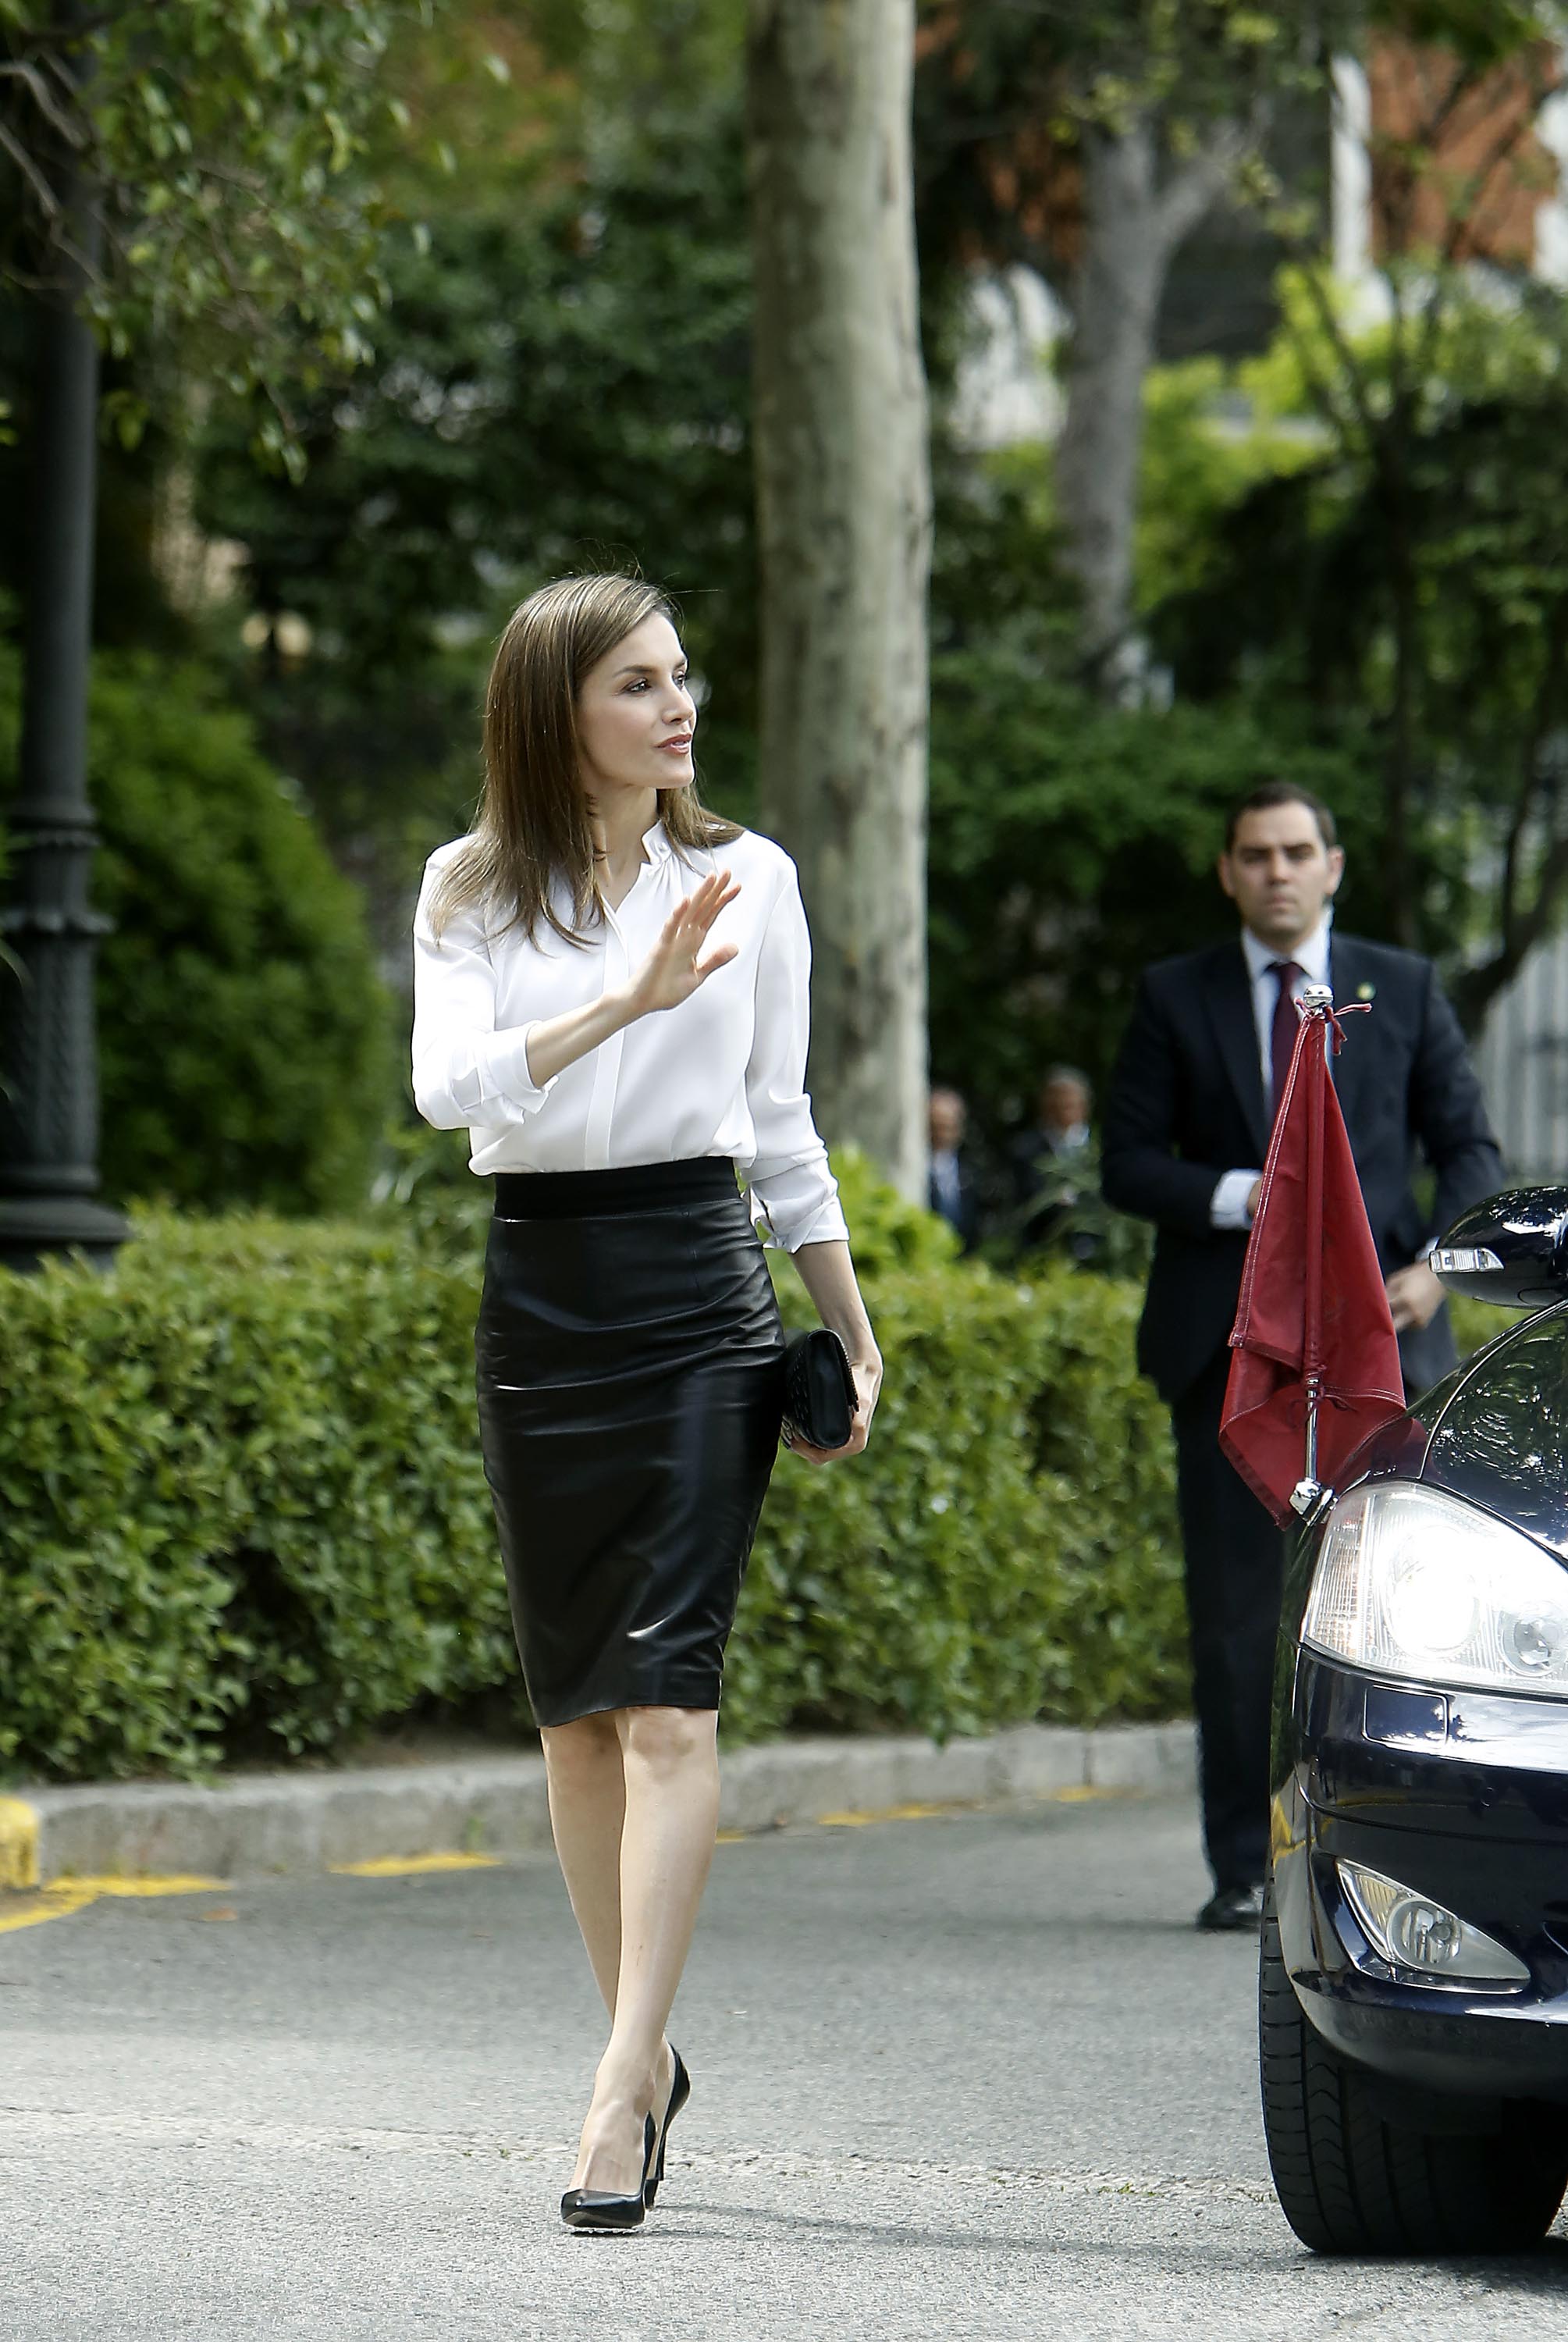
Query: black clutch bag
<point x="819" y="1389"/>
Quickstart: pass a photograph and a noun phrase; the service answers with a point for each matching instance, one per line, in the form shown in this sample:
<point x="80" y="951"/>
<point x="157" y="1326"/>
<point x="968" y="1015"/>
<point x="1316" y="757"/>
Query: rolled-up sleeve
<point x="789" y="1175"/>
<point x="464" y="1070"/>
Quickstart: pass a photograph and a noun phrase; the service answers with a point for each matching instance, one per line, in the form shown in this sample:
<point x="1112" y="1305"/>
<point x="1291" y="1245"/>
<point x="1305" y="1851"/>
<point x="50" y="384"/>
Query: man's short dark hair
<point x="1278" y="793"/>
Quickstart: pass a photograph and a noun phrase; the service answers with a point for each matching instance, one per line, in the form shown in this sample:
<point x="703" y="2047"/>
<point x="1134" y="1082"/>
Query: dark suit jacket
<point x="1186" y="1103"/>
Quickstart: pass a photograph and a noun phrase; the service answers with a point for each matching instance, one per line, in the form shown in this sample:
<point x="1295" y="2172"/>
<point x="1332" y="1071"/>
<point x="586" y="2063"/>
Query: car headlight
<point x="1413" y="1582"/>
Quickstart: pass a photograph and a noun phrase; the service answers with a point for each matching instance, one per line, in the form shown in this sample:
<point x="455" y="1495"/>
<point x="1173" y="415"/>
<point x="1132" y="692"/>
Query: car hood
<point x="1495" y="1431"/>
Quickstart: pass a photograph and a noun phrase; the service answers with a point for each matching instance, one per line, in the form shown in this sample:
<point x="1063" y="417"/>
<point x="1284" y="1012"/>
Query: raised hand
<point x="673" y="970"/>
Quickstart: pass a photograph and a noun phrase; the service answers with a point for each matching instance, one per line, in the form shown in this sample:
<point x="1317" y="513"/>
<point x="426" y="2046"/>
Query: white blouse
<point x="723" y="1074"/>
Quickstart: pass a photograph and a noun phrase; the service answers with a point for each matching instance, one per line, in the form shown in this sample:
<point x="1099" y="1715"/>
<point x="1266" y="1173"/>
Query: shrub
<point x="243" y="1502"/>
<point x="244" y="1038"/>
<point x="1006" y="1549"/>
<point x="239" y="1494"/>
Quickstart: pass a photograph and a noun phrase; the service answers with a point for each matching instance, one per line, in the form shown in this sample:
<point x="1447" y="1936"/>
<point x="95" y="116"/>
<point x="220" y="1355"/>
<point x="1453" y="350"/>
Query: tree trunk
<point x="1132" y="224"/>
<point x="1115" y="304"/>
<point x="844" y="501"/>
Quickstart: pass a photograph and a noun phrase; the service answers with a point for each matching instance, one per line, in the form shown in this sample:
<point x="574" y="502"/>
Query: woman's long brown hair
<point x="534" y="823"/>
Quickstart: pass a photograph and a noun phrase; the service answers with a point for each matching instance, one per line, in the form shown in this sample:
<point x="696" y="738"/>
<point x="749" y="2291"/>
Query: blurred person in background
<point x="953" y="1191"/>
<point x="611" y="994"/>
<point x="1188" y="1117"/>
<point x="1061" y="1127"/>
<point x="1055" y="1167"/>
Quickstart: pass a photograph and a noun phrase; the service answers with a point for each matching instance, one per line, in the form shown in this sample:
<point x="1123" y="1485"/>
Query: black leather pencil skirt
<point x="631" y="1387"/>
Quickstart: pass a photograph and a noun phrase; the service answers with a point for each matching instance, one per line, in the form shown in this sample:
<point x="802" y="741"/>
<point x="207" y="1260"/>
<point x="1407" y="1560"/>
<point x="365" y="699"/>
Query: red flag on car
<point x="1313" y="1306"/>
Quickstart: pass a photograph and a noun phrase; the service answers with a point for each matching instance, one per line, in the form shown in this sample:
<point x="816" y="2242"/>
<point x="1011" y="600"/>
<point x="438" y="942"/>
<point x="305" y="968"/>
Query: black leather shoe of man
<point x="1232" y="1910"/>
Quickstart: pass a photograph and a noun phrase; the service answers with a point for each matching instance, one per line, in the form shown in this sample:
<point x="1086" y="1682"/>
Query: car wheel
<point x="1350" y="2182"/>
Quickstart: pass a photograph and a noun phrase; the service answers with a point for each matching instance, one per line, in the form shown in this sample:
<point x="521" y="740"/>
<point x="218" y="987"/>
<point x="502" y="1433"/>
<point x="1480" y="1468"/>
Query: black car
<point x="1413" y="1982"/>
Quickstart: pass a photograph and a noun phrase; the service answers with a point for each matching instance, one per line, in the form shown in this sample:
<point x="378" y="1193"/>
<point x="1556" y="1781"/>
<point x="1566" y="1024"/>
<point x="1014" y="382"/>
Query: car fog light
<point x="1423" y="1934"/>
<point x="1413" y="1932"/>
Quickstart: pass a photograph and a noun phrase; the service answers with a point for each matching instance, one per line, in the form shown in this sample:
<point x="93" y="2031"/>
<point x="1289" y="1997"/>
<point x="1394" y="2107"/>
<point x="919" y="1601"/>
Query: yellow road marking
<point x="1076" y="1793"/>
<point x="391" y="1865"/>
<point x="19" y="1842"/>
<point x="175" y="1883"/>
<point x="49" y="1903"/>
<point x="64" y="1896"/>
<point x="35" y="1908"/>
<point x="887" y="1813"/>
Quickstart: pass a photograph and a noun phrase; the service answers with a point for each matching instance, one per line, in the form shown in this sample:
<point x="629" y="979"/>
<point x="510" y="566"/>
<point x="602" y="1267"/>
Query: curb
<point x="269" y="1824"/>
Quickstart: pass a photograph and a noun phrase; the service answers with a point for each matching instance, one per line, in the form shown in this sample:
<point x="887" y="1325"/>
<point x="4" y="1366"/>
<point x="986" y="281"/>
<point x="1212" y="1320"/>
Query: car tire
<point x="1349" y="2181"/>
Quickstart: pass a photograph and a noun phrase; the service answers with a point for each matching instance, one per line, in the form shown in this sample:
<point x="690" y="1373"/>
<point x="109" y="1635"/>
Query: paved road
<point x="967" y="2076"/>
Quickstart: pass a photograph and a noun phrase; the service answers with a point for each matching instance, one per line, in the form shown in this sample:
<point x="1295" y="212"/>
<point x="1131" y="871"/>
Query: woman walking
<point x="611" y="994"/>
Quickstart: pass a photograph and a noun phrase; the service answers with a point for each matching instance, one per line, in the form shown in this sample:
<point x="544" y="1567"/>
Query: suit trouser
<point x="1235" y="1556"/>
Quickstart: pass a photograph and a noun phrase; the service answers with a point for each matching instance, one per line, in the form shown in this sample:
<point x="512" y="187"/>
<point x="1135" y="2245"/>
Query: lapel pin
<point x="1366" y="992"/>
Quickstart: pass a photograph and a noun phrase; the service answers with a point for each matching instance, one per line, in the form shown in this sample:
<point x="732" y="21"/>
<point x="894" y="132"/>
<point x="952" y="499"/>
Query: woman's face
<point x="635" y="717"/>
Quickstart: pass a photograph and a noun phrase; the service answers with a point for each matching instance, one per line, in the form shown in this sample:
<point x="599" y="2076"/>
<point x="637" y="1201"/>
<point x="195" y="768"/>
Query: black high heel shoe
<point x="680" y="2091"/>
<point x="591" y="2209"/>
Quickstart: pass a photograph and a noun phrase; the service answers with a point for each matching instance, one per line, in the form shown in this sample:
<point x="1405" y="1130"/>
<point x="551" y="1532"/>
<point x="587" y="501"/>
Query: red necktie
<point x="1283" y="1039"/>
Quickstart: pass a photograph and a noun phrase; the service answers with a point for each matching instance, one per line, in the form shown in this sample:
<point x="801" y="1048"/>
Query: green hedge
<point x="1007" y="1547"/>
<point x="243" y="1506"/>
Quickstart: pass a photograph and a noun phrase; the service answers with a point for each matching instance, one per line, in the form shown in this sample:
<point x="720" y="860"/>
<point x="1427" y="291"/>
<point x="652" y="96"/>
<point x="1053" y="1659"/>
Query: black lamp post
<point x="48" y="1046"/>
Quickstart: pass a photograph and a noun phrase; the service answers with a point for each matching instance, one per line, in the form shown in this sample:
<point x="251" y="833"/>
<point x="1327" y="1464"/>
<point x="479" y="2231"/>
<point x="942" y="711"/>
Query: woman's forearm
<point x="556" y="1042"/>
<point x="671" y="973"/>
<point x="827" y="1274"/>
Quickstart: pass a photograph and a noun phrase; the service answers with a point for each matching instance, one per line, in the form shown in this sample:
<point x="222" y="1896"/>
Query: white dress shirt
<point x="722" y="1074"/>
<point x="1071" y="1141"/>
<point x="1228" y="1203"/>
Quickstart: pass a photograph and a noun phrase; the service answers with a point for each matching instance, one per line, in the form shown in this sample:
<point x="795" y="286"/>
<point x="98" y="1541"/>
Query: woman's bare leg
<point x="586" y="1776"/>
<point x="671" y="1775"/>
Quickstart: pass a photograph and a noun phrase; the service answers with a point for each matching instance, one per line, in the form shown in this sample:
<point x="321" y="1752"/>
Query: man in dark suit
<point x="1186" y="1130"/>
<point x="952" y="1191"/>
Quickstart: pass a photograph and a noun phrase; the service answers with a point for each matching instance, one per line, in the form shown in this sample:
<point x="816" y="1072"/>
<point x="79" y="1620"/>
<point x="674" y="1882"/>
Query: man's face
<point x="1064" y="1104"/>
<point x="946" y="1121"/>
<point x="1280" y="874"/>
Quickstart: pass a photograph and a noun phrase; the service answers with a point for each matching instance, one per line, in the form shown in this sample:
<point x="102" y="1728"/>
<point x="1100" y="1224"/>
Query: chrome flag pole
<point x="1315" y="1007"/>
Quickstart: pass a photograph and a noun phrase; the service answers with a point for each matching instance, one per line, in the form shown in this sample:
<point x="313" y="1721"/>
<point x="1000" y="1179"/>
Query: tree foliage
<point x="1403" y="593"/>
<point x="1005" y="96"/>
<point x="559" y="374"/>
<point x="1092" y="142"/>
<point x="223" y="136"/>
<point x="1070" y="845"/>
<point x="560" y="381"/>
